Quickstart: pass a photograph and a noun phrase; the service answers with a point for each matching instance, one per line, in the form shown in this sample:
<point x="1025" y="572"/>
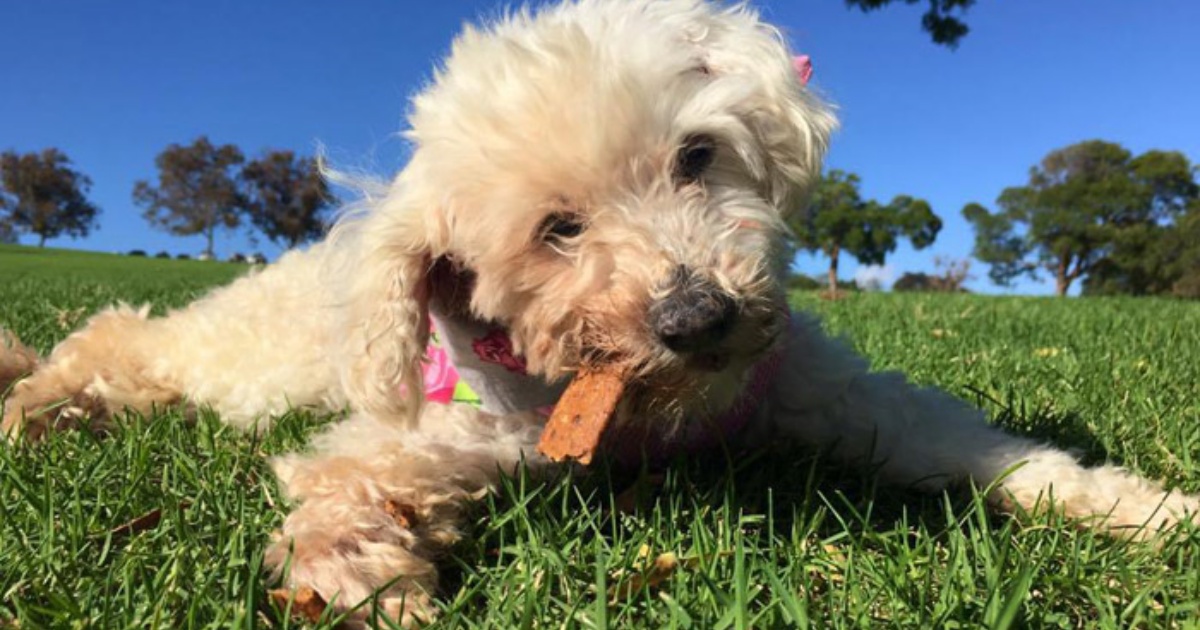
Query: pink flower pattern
<point x="439" y="375"/>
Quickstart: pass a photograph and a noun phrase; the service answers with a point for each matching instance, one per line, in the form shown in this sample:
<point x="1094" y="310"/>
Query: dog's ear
<point x="386" y="308"/>
<point x="794" y="127"/>
<point x="792" y="123"/>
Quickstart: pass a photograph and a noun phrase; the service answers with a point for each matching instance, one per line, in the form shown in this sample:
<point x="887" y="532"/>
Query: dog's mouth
<point x="750" y="342"/>
<point x="685" y="380"/>
<point x="748" y="336"/>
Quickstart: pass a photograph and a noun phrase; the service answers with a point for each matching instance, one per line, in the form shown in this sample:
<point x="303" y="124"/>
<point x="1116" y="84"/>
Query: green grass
<point x="778" y="540"/>
<point x="46" y="293"/>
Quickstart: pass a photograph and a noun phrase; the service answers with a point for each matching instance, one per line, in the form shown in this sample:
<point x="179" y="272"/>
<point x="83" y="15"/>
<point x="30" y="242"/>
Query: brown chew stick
<point x="577" y="424"/>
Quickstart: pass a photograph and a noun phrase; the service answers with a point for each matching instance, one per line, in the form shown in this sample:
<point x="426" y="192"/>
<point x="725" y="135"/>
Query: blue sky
<point x="112" y="83"/>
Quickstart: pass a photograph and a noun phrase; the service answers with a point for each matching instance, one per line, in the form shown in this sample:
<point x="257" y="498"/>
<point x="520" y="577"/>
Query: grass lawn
<point x="163" y="524"/>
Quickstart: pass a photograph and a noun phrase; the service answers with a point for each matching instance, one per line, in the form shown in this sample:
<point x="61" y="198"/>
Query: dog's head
<point x="612" y="177"/>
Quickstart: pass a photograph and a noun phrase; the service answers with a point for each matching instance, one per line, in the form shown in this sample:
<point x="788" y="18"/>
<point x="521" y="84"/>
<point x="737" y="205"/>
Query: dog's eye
<point x="561" y="226"/>
<point x="695" y="156"/>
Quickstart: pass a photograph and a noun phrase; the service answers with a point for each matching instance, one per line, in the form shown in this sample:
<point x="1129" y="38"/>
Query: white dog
<point x="602" y="182"/>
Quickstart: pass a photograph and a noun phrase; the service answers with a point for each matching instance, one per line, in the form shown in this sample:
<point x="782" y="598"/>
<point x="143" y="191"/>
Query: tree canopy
<point x="839" y="220"/>
<point x="40" y="193"/>
<point x="1152" y="260"/>
<point x="1091" y="208"/>
<point x="939" y="20"/>
<point x="198" y="190"/>
<point x="287" y="197"/>
<point x="1183" y="248"/>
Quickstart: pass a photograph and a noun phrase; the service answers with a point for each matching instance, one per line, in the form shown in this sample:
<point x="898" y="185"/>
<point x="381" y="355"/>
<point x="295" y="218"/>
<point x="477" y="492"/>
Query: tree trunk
<point x="208" y="235"/>
<point x="41" y="240"/>
<point x="1062" y="282"/>
<point x="833" y="264"/>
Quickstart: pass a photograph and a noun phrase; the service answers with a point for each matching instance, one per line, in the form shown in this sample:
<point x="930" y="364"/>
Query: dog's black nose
<point x="695" y="314"/>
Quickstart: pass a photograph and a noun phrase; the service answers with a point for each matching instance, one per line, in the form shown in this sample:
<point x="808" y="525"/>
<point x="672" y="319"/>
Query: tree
<point x="1183" y="250"/>
<point x="952" y="274"/>
<point x="938" y="21"/>
<point x="1088" y="208"/>
<point x="948" y="277"/>
<point x="1135" y="264"/>
<point x="40" y="193"/>
<point x="8" y="235"/>
<point x="198" y="190"/>
<point x="1159" y="255"/>
<point x="1152" y="260"/>
<point x="840" y="220"/>
<point x="287" y="197"/>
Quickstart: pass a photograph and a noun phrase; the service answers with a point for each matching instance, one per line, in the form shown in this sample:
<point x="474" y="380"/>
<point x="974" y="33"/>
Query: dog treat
<point x="577" y="424"/>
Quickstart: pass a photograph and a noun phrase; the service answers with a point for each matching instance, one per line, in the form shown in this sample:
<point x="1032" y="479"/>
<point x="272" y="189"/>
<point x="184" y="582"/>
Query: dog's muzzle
<point x="695" y="315"/>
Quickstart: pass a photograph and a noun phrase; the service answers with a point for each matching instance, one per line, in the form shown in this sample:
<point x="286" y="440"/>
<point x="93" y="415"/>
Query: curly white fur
<point x="581" y="109"/>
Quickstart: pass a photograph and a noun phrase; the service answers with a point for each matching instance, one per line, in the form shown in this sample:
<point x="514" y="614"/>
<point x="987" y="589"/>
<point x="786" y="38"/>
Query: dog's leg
<point x="104" y="366"/>
<point x="377" y="503"/>
<point x="16" y="360"/>
<point x="259" y="346"/>
<point x="926" y="438"/>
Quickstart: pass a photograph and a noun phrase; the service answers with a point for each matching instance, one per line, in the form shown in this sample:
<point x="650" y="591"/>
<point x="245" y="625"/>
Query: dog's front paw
<point x="29" y="416"/>
<point x="410" y="610"/>
<point x="354" y="559"/>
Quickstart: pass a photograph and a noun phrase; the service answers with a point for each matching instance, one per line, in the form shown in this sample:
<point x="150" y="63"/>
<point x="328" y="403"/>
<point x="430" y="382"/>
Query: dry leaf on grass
<point x="145" y="522"/>
<point x="306" y="603"/>
<point x="658" y="572"/>
<point x="149" y="520"/>
<point x="68" y="318"/>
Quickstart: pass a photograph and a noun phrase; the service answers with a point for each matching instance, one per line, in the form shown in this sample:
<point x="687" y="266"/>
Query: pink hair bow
<point x="802" y="65"/>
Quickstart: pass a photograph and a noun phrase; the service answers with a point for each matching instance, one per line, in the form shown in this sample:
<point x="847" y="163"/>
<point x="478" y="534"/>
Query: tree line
<point x="1092" y="212"/>
<point x="200" y="188"/>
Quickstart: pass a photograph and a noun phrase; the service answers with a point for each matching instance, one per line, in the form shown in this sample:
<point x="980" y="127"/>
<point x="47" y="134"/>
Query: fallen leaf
<point x="67" y="318"/>
<point x="835" y="553"/>
<point x="660" y="571"/>
<point x="149" y="520"/>
<point x="305" y="602"/>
